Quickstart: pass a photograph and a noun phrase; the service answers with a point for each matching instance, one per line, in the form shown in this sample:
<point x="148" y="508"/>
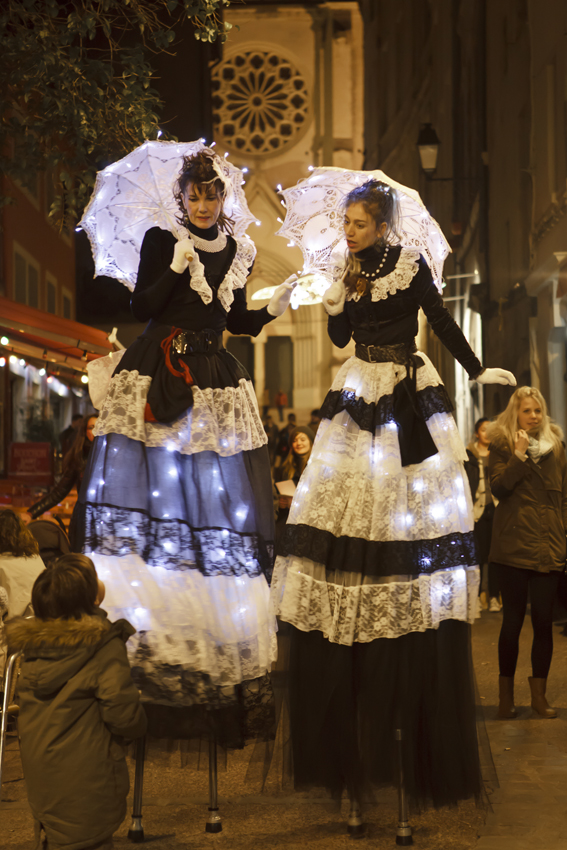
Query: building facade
<point x="491" y="79"/>
<point x="42" y="348"/>
<point x="289" y="93"/>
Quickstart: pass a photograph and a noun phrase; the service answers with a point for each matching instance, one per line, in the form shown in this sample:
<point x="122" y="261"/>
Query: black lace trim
<point x="371" y="415"/>
<point x="379" y="558"/>
<point x="173" y="544"/>
<point x="245" y="711"/>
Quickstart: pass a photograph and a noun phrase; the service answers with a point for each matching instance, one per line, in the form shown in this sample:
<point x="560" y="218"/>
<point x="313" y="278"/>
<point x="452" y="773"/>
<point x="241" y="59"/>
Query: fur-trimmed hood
<point x="34" y="634"/>
<point x="55" y="650"/>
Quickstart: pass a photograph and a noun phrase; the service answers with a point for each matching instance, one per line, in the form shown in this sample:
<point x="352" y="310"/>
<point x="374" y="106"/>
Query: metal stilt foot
<point x="403" y="832"/>
<point x="136" y="831"/>
<point x="214" y="821"/>
<point x="355" y="825"/>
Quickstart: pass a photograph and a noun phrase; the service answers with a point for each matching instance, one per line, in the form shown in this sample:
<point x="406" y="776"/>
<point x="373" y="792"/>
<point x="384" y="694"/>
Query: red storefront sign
<point x="32" y="463"/>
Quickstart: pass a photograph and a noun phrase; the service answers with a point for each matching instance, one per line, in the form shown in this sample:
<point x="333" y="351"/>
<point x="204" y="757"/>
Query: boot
<point x="506" y="709"/>
<point x="539" y="702"/>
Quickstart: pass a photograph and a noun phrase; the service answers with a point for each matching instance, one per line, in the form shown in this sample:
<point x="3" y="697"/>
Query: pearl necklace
<point x="210" y="246"/>
<point x="371" y="276"/>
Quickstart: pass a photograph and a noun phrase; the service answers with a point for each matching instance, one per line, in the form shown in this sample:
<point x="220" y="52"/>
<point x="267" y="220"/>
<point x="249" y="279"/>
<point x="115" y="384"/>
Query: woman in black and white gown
<point x="176" y="501"/>
<point x="376" y="573"/>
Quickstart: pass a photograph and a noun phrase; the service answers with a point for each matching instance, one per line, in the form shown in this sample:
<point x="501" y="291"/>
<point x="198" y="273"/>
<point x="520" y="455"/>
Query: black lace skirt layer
<point x="346" y="703"/>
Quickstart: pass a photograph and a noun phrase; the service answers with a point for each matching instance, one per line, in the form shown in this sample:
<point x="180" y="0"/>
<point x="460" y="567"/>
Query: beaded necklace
<point x="368" y="278"/>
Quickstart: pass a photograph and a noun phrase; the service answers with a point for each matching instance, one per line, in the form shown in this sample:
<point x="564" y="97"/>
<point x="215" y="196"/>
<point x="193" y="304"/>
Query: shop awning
<point x="35" y="333"/>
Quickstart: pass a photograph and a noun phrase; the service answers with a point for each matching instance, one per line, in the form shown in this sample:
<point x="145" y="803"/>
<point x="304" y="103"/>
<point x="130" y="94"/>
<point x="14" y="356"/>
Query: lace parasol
<point x="136" y="193"/>
<point x="314" y="222"/>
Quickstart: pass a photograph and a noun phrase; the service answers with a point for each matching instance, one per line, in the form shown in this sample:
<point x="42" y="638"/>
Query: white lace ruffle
<point x="371" y="381"/>
<point x="225" y="421"/>
<point x="235" y="277"/>
<point x="354" y="484"/>
<point x="365" y="612"/>
<point x="238" y="272"/>
<point x="399" y="278"/>
<point x="100" y="372"/>
<point x="219" y="625"/>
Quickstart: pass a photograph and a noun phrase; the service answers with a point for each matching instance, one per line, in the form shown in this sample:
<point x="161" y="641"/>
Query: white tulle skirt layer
<point x="355" y="485"/>
<point x="222" y="420"/>
<point x="347" y="608"/>
<point x="220" y="626"/>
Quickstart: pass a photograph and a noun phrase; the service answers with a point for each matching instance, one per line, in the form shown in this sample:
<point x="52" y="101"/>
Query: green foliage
<point x="77" y="84"/>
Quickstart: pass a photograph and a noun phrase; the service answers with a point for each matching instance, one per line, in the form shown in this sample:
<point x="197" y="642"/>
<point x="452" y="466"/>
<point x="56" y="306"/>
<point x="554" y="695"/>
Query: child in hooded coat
<point x="77" y="705"/>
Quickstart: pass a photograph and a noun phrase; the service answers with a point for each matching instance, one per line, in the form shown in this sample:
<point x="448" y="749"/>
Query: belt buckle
<point x="179" y="343"/>
<point x="371" y="358"/>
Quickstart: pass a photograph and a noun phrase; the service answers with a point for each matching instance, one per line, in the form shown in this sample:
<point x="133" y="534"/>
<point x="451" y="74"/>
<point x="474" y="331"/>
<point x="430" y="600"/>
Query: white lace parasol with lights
<point x="314" y="222"/>
<point x="136" y="193"/>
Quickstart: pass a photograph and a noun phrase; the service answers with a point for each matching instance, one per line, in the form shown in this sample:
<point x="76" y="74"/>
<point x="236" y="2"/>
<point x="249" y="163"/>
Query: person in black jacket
<point x="476" y="468"/>
<point x="177" y="494"/>
<point x="74" y="464"/>
<point x="67" y="437"/>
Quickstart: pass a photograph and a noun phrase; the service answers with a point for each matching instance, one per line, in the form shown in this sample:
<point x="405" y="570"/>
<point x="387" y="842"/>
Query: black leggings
<point x="514" y="584"/>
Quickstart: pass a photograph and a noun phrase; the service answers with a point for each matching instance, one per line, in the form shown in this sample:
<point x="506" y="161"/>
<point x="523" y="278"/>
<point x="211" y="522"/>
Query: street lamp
<point x="428" y="147"/>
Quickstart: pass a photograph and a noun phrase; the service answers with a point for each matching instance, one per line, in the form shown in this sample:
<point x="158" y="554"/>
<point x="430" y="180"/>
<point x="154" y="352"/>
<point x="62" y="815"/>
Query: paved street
<point x="529" y="809"/>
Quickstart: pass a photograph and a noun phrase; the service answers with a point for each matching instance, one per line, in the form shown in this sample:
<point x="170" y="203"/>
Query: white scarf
<point x="538" y="448"/>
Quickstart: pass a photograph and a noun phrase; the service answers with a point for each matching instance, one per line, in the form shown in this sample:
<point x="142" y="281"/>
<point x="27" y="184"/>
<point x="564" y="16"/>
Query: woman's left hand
<point x="281" y="297"/>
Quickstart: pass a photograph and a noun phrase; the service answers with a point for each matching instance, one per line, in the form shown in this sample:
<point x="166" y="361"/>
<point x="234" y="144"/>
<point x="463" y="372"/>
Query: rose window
<point x="260" y="103"/>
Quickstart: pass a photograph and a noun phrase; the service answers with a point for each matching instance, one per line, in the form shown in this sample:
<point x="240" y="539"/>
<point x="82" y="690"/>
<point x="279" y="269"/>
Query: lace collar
<point x="235" y="277"/>
<point x="210" y="246"/>
<point x="399" y="278"/>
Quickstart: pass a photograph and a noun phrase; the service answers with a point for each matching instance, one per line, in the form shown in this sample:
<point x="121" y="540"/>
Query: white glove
<point x="183" y="253"/>
<point x="496" y="376"/>
<point x="334" y="298"/>
<point x="281" y="297"/>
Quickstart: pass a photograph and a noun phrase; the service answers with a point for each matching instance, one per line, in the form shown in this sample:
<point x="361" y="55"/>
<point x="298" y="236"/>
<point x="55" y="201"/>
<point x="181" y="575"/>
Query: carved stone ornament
<point x="260" y="103"/>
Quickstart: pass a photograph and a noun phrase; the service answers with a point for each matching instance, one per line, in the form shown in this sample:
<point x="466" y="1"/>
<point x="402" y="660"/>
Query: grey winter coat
<point x="77" y="703"/>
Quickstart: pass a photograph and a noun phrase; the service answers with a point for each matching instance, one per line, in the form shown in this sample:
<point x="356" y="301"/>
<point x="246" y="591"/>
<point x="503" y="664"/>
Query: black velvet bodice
<point x="394" y="319"/>
<point x="166" y="297"/>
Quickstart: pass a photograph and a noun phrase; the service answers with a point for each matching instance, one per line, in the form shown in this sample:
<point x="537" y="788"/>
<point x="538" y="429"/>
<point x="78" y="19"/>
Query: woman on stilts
<point x="177" y="497"/>
<point x="376" y="573"/>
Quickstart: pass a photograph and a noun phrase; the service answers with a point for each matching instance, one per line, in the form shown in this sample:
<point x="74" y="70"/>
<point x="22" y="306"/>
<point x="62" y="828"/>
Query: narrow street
<point x="529" y="809"/>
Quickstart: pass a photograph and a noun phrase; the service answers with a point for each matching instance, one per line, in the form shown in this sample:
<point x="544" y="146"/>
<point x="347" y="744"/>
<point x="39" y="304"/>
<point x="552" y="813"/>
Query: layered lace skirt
<point x="377" y="578"/>
<point x="178" y="520"/>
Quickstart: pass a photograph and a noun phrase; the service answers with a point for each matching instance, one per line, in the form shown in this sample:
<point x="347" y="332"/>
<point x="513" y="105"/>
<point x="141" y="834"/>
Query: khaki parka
<point x="531" y="517"/>
<point x="77" y="704"/>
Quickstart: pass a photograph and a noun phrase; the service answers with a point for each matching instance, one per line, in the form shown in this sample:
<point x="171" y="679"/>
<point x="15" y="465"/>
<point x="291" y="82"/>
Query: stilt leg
<point x="355" y="827"/>
<point x="214" y="822"/>
<point x="136" y="831"/>
<point x="403" y="833"/>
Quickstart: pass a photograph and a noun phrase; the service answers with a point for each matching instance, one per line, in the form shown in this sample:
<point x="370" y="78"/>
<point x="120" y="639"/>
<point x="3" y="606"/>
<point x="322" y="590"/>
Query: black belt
<point x="206" y="341"/>
<point x="416" y="443"/>
<point x="400" y="352"/>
